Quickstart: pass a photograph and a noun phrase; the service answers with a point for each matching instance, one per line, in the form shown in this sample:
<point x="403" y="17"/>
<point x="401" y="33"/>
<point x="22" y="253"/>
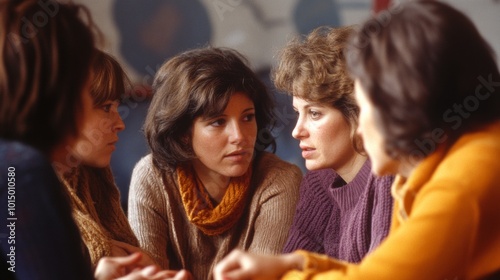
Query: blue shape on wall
<point x="154" y="30"/>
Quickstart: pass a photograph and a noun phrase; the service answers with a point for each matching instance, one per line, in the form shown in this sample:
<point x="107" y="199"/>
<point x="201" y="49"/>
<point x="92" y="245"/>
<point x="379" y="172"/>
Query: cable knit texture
<point x="346" y="221"/>
<point x="96" y="209"/>
<point x="201" y="211"/>
<point x="158" y="217"/>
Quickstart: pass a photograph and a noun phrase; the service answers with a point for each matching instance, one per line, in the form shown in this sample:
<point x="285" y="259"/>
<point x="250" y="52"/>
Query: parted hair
<point x="46" y="50"/>
<point x="417" y="67"/>
<point x="109" y="80"/>
<point x="199" y="83"/>
<point x="313" y="68"/>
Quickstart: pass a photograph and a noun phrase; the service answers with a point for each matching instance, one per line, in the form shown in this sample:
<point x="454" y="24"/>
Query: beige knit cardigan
<point x="158" y="218"/>
<point x="96" y="209"/>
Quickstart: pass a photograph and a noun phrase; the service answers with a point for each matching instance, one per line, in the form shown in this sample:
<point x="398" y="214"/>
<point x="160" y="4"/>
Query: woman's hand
<point x="115" y="267"/>
<point x="145" y="274"/>
<point x="128" y="268"/>
<point x="122" y="248"/>
<point x="241" y="265"/>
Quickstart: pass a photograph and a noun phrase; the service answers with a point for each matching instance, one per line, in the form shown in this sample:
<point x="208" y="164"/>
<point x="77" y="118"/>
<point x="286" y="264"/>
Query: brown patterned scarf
<point x="200" y="208"/>
<point x="96" y="209"/>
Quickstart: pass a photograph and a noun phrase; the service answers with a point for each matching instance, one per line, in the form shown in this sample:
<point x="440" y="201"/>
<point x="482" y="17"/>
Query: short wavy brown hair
<point x="416" y="66"/>
<point x="313" y="68"/>
<point x="44" y="67"/>
<point x="197" y="83"/>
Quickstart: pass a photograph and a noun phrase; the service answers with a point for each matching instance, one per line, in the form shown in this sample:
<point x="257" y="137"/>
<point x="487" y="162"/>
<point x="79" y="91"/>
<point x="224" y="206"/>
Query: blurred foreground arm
<point x="128" y="268"/>
<point x="241" y="265"/>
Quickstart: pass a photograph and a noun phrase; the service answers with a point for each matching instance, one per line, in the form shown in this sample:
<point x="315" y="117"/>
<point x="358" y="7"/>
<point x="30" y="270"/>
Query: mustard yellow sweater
<point x="446" y="221"/>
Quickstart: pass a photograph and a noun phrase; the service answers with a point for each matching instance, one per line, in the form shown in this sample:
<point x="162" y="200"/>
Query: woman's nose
<point x="236" y="133"/>
<point x="118" y="124"/>
<point x="299" y="131"/>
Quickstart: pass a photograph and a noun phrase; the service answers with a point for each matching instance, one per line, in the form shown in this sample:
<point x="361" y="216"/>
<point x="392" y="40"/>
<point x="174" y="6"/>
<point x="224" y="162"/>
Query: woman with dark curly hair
<point x="429" y="92"/>
<point x="208" y="186"/>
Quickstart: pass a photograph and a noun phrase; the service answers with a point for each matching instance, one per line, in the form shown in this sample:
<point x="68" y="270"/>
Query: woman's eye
<point x="107" y="107"/>
<point x="314" y="114"/>
<point x="249" y="117"/>
<point x="218" y="122"/>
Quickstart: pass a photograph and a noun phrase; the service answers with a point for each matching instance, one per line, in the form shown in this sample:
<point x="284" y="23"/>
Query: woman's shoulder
<point x="144" y="165"/>
<point x="21" y="156"/>
<point x="272" y="175"/>
<point x="145" y="171"/>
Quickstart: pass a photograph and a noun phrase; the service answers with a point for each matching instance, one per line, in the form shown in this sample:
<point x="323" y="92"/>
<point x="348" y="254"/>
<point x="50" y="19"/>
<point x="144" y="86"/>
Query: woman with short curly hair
<point x="350" y="215"/>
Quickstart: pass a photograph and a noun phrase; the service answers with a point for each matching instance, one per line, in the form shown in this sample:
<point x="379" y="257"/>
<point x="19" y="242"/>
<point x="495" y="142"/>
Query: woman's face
<point x="224" y="144"/>
<point x="324" y="136"/>
<point x="382" y="164"/>
<point x="99" y="134"/>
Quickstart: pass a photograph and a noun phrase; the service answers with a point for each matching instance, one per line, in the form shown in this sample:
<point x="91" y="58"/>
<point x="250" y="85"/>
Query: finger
<point x="149" y="271"/>
<point x="125" y="246"/>
<point x="189" y="276"/>
<point x="165" y="274"/>
<point x="137" y="275"/>
<point x="128" y="260"/>
<point x="237" y="274"/>
<point x="182" y="275"/>
<point x="229" y="263"/>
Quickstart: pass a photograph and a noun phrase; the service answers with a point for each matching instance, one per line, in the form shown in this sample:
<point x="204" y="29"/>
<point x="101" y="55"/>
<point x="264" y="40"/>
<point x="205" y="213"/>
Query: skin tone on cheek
<point x="382" y="163"/>
<point x="325" y="141"/>
<point x="224" y="145"/>
<point x="100" y="134"/>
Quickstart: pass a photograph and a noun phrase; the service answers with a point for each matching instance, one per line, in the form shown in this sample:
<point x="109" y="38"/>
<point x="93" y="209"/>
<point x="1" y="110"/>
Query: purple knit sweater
<point x="344" y="221"/>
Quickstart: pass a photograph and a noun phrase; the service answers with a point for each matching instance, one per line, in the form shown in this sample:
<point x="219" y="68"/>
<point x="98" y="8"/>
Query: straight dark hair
<point x="109" y="80"/>
<point x="425" y="69"/>
<point x="45" y="55"/>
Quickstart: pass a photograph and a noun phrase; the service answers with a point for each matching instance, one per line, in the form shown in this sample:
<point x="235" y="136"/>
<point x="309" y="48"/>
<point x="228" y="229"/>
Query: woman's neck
<point x="214" y="183"/>
<point x="406" y="167"/>
<point x="349" y="171"/>
<point x="215" y="188"/>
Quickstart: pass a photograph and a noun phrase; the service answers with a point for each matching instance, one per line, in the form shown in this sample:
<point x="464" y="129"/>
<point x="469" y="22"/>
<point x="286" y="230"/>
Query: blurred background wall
<point x="142" y="34"/>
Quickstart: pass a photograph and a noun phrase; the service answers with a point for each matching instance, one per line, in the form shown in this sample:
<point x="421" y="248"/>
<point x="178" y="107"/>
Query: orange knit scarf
<point x="199" y="207"/>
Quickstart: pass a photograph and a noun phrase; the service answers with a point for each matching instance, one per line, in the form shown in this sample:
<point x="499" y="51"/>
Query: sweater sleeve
<point x="434" y="243"/>
<point x="276" y="209"/>
<point x="147" y="211"/>
<point x="38" y="238"/>
<point x="310" y="220"/>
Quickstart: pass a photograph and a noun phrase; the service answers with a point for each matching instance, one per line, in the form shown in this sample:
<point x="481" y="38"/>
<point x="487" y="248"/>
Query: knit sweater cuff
<point x="319" y="263"/>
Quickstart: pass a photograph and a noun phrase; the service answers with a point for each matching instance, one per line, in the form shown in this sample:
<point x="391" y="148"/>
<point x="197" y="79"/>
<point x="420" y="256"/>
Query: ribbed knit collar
<point x="346" y="195"/>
